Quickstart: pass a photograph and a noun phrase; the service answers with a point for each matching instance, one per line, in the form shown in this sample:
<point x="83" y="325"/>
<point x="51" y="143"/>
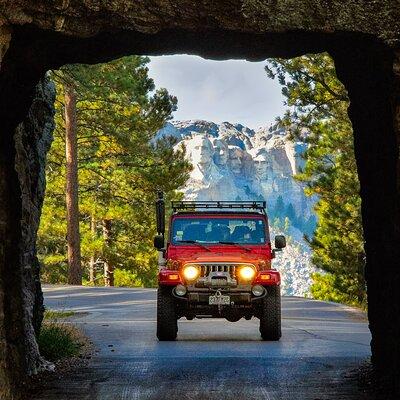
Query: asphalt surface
<point x="322" y="346"/>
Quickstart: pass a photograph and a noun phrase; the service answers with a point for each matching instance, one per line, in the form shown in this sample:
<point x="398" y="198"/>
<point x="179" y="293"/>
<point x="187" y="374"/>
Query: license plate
<point x="217" y="300"/>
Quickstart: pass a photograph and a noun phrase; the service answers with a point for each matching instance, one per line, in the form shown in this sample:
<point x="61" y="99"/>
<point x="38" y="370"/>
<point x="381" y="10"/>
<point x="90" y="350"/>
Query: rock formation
<point x="233" y="162"/>
<point x="32" y="141"/>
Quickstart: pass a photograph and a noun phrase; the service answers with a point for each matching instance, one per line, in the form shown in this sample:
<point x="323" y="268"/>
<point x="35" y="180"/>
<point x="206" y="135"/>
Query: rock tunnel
<point x="362" y="37"/>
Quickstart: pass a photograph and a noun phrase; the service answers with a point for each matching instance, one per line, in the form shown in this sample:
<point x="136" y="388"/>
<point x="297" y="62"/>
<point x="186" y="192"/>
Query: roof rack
<point x="242" y="205"/>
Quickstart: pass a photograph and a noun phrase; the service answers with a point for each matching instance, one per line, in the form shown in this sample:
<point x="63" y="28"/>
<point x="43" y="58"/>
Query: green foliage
<point x="279" y="208"/>
<point x="121" y="167"/>
<point x="282" y="211"/>
<point x="333" y="287"/>
<point x="318" y="116"/>
<point x="126" y="278"/>
<point x="58" y="341"/>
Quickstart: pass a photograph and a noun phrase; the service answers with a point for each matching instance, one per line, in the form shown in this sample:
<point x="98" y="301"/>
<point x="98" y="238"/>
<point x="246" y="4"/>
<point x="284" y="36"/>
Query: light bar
<point x="192" y="205"/>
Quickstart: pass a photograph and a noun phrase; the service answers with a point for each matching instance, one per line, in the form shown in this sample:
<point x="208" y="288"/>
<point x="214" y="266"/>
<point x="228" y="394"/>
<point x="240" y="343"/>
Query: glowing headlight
<point x="191" y="273"/>
<point x="247" y="273"/>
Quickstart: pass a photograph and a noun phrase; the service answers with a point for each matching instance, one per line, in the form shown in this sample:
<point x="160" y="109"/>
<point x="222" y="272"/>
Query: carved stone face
<point x="263" y="166"/>
<point x="220" y="153"/>
<point x="235" y="160"/>
<point x="201" y="150"/>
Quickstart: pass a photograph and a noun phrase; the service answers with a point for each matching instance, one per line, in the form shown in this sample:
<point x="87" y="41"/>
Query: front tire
<point x="167" y="320"/>
<point x="270" y="314"/>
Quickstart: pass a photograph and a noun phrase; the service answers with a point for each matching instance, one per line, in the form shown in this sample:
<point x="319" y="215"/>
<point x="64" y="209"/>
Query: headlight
<point x="191" y="273"/>
<point x="247" y="273"/>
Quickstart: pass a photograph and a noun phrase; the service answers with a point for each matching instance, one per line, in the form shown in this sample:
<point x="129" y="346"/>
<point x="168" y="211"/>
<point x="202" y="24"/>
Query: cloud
<point x="233" y="90"/>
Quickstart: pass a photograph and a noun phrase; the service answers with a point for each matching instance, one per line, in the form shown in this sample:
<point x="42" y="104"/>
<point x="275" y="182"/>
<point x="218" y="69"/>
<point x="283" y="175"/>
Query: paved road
<point x="212" y="359"/>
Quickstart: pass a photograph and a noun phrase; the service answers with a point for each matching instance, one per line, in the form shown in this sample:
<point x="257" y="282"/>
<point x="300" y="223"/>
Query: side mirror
<point x="280" y="241"/>
<point x="159" y="242"/>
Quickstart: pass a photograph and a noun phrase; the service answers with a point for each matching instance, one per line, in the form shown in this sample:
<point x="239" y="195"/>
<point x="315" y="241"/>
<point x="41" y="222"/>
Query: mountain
<point x="234" y="162"/>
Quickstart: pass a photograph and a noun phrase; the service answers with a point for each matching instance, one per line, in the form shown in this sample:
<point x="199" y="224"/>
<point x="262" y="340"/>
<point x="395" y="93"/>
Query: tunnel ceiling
<point x="86" y="18"/>
<point x="289" y="26"/>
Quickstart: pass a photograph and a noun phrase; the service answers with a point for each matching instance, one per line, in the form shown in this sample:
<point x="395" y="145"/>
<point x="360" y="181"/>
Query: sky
<point x="236" y="91"/>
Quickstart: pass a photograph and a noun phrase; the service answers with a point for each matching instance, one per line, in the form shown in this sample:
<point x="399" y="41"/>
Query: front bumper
<point x="241" y="295"/>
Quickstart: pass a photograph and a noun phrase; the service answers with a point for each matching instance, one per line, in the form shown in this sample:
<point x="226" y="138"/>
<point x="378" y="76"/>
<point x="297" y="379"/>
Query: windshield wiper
<point x="236" y="244"/>
<point x="194" y="242"/>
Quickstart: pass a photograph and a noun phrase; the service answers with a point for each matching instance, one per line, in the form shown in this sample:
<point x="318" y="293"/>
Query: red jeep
<point x="217" y="264"/>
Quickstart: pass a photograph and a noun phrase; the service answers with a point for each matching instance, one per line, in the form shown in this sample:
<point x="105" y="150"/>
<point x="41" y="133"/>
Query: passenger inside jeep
<point x="241" y="233"/>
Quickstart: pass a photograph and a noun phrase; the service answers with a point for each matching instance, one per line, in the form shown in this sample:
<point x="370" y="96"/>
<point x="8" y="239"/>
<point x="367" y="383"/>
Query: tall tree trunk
<point x="108" y="266"/>
<point x="71" y="152"/>
<point x="92" y="261"/>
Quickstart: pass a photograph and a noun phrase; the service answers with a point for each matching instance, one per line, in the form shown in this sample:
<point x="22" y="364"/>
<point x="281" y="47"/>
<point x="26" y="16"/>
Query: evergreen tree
<point x="310" y="225"/>
<point x="290" y="213"/>
<point x="318" y="116"/>
<point x="121" y="166"/>
<point x="71" y="189"/>
<point x="279" y="209"/>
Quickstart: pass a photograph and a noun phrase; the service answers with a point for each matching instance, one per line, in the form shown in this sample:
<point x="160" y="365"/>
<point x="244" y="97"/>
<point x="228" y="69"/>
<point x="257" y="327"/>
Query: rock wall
<point x="32" y="141"/>
<point x="84" y="18"/>
<point x="373" y="83"/>
<point x="33" y="138"/>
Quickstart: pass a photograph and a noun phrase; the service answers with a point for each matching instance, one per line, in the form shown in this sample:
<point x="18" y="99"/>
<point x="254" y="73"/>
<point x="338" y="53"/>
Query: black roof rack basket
<point x="241" y="205"/>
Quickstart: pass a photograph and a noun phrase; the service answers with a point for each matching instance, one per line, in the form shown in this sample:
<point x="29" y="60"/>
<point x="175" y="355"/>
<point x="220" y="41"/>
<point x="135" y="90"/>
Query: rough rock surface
<point x="233" y="162"/>
<point x="84" y="18"/>
<point x="363" y="38"/>
<point x="32" y="141"/>
<point x="33" y="138"/>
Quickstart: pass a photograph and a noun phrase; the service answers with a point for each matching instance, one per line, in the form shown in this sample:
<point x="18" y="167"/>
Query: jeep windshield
<point x="218" y="230"/>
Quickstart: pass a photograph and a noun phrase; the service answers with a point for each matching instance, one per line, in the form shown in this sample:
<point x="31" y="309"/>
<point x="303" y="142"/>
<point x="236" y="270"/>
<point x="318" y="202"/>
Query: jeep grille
<point x="205" y="268"/>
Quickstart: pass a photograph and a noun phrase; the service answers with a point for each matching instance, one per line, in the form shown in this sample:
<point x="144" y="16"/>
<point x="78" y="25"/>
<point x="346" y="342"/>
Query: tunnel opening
<point x="367" y="68"/>
<point x="224" y="140"/>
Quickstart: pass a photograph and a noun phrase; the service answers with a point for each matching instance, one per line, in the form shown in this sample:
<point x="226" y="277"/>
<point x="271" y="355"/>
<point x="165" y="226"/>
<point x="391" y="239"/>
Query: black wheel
<point x="270" y="314"/>
<point x="167" y="320"/>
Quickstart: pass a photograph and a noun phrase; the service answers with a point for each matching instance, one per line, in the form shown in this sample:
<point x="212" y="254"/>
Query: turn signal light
<point x="265" y="277"/>
<point x="173" y="277"/>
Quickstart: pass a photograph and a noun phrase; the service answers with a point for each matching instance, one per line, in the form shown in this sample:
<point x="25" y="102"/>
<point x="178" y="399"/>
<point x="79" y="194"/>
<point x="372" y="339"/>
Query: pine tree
<point x="318" y="105"/>
<point x="279" y="209"/>
<point x="121" y="166"/>
<point x="291" y="214"/>
<point x="71" y="188"/>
